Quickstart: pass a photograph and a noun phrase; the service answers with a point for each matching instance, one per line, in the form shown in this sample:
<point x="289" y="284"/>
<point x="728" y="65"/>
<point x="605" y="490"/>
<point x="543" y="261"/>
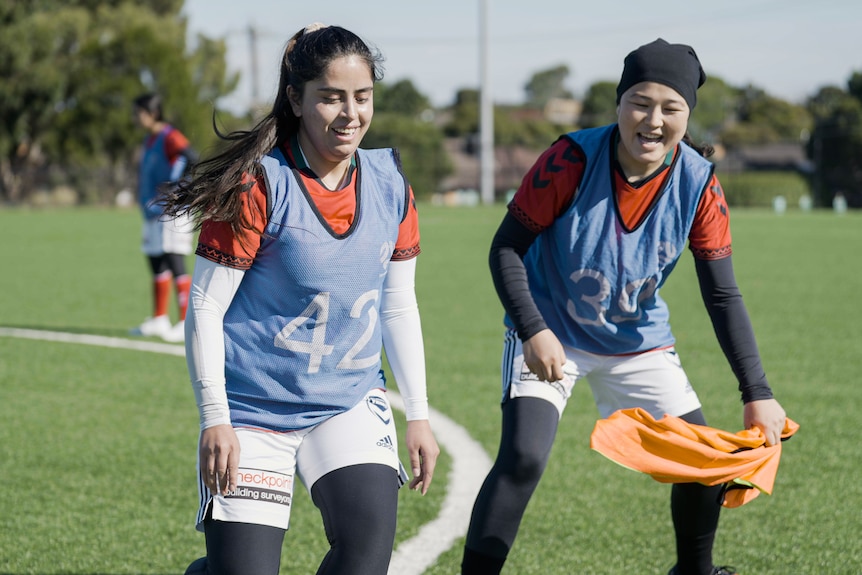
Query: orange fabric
<point x="672" y="450"/>
<point x="161" y="293"/>
<point x="184" y="285"/>
<point x="337" y="207"/>
<point x="634" y="201"/>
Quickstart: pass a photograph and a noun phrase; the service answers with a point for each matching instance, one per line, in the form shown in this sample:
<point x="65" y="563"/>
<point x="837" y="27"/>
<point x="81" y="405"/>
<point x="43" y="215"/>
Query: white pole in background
<point x="255" y="79"/>
<point x="486" y="107"/>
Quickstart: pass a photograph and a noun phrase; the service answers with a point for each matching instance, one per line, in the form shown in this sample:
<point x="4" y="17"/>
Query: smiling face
<point x="334" y="113"/>
<point x="652" y="120"/>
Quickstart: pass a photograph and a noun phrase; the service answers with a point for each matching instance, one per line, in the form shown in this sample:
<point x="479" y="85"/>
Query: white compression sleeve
<point x="402" y="337"/>
<point x="213" y="289"/>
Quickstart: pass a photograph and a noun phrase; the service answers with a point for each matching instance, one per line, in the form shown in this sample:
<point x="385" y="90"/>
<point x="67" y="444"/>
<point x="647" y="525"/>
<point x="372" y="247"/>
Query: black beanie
<point x="674" y="65"/>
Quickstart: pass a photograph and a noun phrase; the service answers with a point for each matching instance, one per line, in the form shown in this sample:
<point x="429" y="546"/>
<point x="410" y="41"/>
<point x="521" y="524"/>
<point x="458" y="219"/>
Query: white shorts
<point x="653" y="380"/>
<point x="167" y="236"/>
<point x="269" y="460"/>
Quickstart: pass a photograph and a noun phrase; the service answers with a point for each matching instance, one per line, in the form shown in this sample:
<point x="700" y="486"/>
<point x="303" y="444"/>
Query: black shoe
<point x="726" y="570"/>
<point x="198" y="567"/>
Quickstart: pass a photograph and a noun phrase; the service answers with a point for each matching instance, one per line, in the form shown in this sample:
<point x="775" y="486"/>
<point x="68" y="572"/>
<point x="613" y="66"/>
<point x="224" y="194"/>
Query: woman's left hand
<point x="768" y="415"/>
<point x="423" y="451"/>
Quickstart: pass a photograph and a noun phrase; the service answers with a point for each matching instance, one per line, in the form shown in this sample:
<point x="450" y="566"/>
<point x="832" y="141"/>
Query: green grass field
<point x="97" y="445"/>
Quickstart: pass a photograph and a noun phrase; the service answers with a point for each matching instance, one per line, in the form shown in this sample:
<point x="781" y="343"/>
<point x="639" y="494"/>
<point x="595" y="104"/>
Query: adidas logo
<point x="387" y="443"/>
<point x="527" y="375"/>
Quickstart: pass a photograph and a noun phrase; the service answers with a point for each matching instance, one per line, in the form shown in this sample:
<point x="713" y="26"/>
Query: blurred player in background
<point x="594" y="230"/>
<point x="305" y="269"/>
<point x="166" y="157"/>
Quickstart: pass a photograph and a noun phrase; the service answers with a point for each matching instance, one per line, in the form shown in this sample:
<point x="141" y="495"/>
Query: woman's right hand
<point x="545" y="356"/>
<point x="219" y="457"/>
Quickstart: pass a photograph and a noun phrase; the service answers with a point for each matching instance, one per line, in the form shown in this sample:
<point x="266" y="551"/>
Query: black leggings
<point x="176" y="263"/>
<point x="529" y="428"/>
<point x="358" y="505"/>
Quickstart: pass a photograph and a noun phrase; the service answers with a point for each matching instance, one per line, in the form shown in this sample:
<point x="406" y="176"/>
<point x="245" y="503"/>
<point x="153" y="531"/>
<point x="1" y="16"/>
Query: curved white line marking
<point x="470" y="463"/>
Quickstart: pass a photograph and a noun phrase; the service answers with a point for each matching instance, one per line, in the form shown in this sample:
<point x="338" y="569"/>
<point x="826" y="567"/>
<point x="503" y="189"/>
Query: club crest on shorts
<point x="379" y="407"/>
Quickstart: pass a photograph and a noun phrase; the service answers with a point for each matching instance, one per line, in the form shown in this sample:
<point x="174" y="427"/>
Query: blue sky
<point x="789" y="48"/>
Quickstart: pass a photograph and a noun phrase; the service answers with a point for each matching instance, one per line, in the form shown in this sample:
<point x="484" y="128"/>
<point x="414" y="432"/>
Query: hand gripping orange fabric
<point x="672" y="450"/>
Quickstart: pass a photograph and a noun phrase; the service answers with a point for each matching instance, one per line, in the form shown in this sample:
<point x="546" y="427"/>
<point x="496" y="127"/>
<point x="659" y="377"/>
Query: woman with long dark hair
<point x="304" y="272"/>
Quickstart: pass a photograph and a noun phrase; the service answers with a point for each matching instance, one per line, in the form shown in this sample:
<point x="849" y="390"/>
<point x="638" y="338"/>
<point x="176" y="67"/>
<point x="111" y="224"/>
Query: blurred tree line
<point x="72" y="67"/>
<point x="835" y="145"/>
<point x="70" y="70"/>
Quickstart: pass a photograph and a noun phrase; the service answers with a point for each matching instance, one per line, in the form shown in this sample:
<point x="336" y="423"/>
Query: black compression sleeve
<point x="732" y="326"/>
<point x="510" y="243"/>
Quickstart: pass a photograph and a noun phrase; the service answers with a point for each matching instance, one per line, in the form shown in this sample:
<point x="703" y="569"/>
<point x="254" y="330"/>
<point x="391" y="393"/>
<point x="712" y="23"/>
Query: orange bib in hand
<point x="671" y="450"/>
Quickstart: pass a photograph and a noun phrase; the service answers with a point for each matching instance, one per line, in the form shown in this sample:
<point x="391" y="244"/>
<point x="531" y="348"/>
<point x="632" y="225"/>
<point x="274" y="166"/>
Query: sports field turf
<point x="97" y="445"/>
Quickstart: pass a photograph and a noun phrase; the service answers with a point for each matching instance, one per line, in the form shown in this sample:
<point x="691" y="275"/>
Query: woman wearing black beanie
<point x="596" y="227"/>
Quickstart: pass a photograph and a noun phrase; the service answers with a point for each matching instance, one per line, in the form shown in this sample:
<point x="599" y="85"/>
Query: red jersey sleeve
<point x="175" y="143"/>
<point x="407" y="245"/>
<point x="549" y="186"/>
<point x="217" y="241"/>
<point x="709" y="238"/>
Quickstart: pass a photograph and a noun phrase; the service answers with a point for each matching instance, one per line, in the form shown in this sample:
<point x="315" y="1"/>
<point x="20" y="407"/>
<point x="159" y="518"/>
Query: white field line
<point x="98" y="340"/>
<point x="470" y="463"/>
